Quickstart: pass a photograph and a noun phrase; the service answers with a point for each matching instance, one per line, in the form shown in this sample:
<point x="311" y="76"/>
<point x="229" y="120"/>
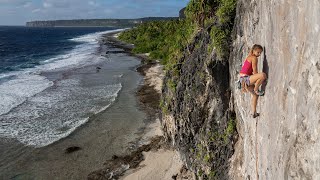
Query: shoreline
<point x="108" y="132"/>
<point x="124" y="140"/>
<point x="154" y="158"/>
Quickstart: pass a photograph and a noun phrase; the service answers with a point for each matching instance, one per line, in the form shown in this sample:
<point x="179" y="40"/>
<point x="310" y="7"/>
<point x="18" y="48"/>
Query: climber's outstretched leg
<point x="254" y="101"/>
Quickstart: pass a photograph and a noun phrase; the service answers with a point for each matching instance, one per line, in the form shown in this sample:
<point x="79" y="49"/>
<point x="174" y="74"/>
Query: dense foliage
<point x="164" y="40"/>
<point x="222" y="12"/>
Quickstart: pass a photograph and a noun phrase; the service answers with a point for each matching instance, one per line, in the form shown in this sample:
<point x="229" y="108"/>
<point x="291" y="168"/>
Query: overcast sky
<point x="17" y="12"/>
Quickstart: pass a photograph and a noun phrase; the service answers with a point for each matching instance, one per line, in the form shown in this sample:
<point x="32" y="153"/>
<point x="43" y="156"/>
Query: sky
<point x="18" y="12"/>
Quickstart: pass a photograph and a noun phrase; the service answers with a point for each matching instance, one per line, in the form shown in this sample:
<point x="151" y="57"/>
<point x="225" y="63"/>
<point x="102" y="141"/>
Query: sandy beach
<point x="164" y="162"/>
<point x="122" y="141"/>
<point x="156" y="160"/>
<point x="115" y="129"/>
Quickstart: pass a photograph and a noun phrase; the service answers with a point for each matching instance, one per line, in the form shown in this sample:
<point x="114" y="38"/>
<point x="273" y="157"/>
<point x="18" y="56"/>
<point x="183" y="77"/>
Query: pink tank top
<point x="247" y="68"/>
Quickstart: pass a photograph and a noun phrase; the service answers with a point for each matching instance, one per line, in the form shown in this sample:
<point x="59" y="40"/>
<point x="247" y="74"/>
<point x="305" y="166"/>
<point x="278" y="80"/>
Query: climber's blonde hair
<point x="254" y="47"/>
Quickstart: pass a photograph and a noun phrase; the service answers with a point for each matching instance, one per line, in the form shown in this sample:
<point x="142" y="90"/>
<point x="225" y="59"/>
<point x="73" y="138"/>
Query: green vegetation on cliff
<point x="164" y="40"/>
<point x="195" y="53"/>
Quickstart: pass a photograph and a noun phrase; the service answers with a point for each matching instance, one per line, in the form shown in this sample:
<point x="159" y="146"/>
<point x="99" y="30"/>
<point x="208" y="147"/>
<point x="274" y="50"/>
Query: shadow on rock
<point x="265" y="69"/>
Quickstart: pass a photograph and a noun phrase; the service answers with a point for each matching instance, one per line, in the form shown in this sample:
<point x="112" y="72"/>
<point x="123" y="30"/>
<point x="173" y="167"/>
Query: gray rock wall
<point x="283" y="143"/>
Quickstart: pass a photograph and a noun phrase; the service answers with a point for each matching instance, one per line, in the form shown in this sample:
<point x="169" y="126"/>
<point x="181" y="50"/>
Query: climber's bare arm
<point x="254" y="63"/>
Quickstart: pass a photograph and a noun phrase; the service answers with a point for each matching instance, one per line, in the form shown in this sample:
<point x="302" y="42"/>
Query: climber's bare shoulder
<point x="251" y="58"/>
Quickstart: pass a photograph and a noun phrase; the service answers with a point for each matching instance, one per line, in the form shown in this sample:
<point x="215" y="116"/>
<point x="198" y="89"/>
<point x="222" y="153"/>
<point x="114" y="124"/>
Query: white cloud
<point x="13" y="2"/>
<point x="5" y="1"/>
<point x="12" y="12"/>
<point x="93" y="3"/>
<point x="27" y="4"/>
<point x="108" y="11"/>
<point x="47" y="5"/>
<point x="36" y="10"/>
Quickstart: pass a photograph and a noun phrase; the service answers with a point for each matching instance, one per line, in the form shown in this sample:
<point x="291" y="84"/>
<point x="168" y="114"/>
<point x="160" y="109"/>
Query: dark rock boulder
<point x="72" y="149"/>
<point x="182" y="14"/>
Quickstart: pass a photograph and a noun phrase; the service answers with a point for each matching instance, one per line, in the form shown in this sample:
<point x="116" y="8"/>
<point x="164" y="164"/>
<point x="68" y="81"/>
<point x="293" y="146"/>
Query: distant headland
<point x="96" y="22"/>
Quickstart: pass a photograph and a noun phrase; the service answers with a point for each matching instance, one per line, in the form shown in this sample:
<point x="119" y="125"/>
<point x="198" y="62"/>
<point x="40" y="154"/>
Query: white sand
<point x="116" y="35"/>
<point x="161" y="164"/>
<point x="157" y="165"/>
<point x="154" y="77"/>
<point x="152" y="130"/>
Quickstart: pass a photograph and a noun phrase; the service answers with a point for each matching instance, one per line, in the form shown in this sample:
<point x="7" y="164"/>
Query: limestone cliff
<point x="283" y="143"/>
<point x="201" y="105"/>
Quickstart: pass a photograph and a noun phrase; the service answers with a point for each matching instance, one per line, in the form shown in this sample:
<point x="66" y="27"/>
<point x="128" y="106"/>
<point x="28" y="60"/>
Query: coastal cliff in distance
<point x="96" y="22"/>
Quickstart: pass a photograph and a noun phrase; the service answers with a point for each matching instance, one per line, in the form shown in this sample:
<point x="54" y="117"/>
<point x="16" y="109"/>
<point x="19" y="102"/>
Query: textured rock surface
<point x="198" y="121"/>
<point x="283" y="143"/>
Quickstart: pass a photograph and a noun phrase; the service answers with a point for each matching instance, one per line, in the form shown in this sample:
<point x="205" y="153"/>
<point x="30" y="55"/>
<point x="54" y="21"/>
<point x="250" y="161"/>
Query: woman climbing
<point x="250" y="78"/>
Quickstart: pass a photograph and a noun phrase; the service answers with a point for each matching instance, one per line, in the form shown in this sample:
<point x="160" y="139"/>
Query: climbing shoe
<point x="255" y="115"/>
<point x="259" y="93"/>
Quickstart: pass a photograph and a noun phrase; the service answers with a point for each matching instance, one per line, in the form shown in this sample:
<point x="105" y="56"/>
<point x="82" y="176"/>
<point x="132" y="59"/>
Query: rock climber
<point x="250" y="79"/>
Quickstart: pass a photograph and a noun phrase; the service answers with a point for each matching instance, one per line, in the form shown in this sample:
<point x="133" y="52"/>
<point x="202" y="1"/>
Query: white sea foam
<point x="43" y="117"/>
<point x="47" y="135"/>
<point x="115" y="89"/>
<point x="96" y="110"/>
<point x="81" y="55"/>
<point x="27" y="82"/>
<point x="50" y="116"/>
<point x="118" y="76"/>
<point x="16" y="91"/>
<point x="93" y="37"/>
<point x="5" y="75"/>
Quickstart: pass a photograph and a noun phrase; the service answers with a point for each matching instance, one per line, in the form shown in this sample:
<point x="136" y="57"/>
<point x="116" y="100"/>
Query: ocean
<point x="64" y="87"/>
<point x="37" y="107"/>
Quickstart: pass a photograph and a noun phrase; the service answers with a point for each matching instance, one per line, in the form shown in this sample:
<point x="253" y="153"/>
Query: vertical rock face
<point x="283" y="143"/>
<point x="197" y="120"/>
